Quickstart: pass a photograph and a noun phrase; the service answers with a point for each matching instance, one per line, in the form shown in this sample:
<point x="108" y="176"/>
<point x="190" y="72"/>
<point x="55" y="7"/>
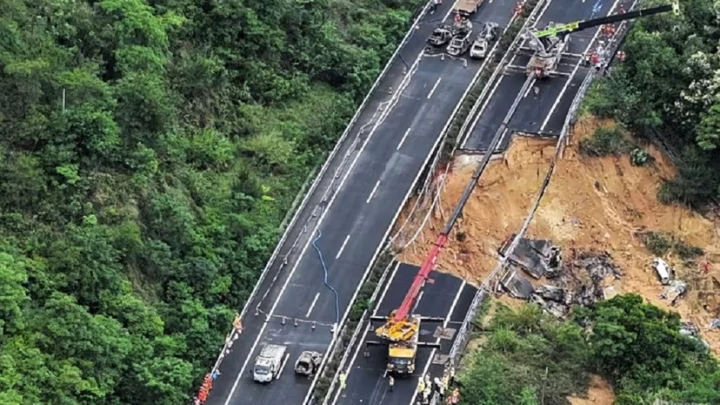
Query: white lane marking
<point x="372" y="193"/>
<point x="402" y="141"/>
<point x="418" y="300"/>
<point x="437" y="341"/>
<point x="397" y="213"/>
<point x="347" y="238"/>
<point x="434" y="87"/>
<point x="312" y="305"/>
<point x="395" y="96"/>
<point x="287" y="356"/>
<point x="482" y="109"/>
<point x="577" y="66"/>
<point x="528" y="90"/>
<point x="367" y="329"/>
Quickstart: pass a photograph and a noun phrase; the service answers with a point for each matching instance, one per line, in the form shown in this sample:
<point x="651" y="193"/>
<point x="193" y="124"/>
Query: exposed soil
<point x="604" y="203"/>
<point x="600" y="204"/>
<point x="497" y="207"/>
<point x="599" y="393"/>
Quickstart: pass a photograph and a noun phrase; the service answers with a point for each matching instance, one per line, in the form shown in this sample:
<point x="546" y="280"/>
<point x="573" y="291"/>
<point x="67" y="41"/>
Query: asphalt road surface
<point x="447" y="297"/>
<point x="397" y="131"/>
<point x="544" y="107"/>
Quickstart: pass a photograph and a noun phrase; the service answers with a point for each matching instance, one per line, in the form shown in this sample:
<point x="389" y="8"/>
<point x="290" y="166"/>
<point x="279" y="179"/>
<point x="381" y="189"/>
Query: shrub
<point x="640" y="157"/>
<point x="605" y="141"/>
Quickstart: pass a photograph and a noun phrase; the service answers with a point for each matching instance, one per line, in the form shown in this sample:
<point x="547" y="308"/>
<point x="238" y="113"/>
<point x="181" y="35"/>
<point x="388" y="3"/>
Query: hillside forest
<point x="668" y="91"/>
<point x="149" y="151"/>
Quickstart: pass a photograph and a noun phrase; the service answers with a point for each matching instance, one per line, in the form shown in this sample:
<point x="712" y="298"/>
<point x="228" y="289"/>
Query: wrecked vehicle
<point x="441" y="35"/>
<point x="663" y="270"/>
<point x="308" y="363"/>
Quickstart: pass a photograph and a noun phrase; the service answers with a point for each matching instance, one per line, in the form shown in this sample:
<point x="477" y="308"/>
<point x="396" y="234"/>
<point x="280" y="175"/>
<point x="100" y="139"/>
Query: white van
<point x="269" y="363"/>
<point x="663" y="271"/>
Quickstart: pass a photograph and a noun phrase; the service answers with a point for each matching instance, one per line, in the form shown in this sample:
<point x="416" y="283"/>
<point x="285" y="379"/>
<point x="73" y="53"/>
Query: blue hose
<point x="325" y="270"/>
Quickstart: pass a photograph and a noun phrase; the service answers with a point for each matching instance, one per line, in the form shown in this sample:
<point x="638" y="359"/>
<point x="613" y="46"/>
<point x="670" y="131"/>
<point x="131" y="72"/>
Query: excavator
<point x="549" y="44"/>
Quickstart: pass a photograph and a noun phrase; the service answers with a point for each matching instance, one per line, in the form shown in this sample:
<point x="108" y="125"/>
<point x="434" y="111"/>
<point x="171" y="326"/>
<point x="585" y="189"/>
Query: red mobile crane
<point x="401" y="328"/>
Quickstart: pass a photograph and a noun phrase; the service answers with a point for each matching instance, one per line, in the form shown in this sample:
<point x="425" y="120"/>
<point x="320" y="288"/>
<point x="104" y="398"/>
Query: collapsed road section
<point x="304" y="297"/>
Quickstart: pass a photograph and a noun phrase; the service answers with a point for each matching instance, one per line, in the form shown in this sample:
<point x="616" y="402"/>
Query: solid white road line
<point x="434" y="87"/>
<point x="397" y="213"/>
<point x="402" y="141"/>
<point x="309" y="241"/>
<point x="287" y="356"/>
<point x="572" y="75"/>
<point x="372" y="193"/>
<point x="347" y="238"/>
<point x="312" y="305"/>
<point x="367" y="329"/>
<point x="432" y="354"/>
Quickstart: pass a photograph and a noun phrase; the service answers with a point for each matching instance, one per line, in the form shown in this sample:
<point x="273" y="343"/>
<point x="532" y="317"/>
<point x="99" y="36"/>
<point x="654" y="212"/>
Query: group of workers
<point x="426" y="387"/>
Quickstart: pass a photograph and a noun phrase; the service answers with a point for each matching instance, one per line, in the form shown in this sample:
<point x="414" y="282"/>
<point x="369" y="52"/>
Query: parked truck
<point x="467" y="7"/>
<point x="269" y="363"/>
<point x="402" y="340"/>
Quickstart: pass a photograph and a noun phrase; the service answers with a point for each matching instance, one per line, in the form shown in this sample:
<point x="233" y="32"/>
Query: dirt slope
<point x="591" y="204"/>
<point x="600" y="392"/>
<point x="497" y="207"/>
<point x="602" y="204"/>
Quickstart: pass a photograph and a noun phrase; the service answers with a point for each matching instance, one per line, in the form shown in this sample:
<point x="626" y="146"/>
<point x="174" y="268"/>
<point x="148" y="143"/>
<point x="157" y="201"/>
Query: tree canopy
<point x="668" y="88"/>
<point x="530" y="358"/>
<point x="149" y="151"/>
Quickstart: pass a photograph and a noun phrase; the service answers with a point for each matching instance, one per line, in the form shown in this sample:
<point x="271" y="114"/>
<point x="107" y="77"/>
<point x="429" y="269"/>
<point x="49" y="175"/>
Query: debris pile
<point x="581" y="281"/>
<point x="674" y="291"/>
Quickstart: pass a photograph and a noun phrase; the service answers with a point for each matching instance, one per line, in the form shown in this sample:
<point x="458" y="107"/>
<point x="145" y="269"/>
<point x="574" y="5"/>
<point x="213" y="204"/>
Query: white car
<point x="479" y="49"/>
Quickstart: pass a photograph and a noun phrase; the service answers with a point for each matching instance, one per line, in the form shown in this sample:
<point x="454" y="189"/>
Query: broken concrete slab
<point x="517" y="285"/>
<point x="674" y="291"/>
<point x="537" y="257"/>
<point x="555" y="293"/>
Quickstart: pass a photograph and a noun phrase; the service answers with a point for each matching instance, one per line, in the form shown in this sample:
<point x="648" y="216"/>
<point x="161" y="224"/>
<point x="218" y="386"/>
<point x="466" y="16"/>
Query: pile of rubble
<point x="579" y="281"/>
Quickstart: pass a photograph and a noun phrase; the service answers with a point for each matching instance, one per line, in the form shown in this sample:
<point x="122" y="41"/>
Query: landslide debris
<point x="593" y="205"/>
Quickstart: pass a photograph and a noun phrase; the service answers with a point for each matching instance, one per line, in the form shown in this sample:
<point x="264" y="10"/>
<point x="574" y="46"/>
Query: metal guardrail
<point x="570" y="119"/>
<point x="471" y="119"/>
<point x="358" y="328"/>
<point x="314" y="185"/>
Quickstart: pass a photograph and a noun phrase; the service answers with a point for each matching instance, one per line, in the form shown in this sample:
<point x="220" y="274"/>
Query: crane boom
<point x="565" y="29"/>
<point x="429" y="263"/>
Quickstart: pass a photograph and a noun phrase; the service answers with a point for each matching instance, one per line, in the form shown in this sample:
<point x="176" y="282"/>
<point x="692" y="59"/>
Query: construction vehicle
<point x="467" y="7"/>
<point x="549" y="44"/>
<point x="269" y="363"/>
<point x="308" y="363"/>
<point x="482" y="42"/>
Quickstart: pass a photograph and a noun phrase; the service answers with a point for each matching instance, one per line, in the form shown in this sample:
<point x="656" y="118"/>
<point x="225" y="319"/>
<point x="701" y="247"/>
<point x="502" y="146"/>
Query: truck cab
<point x="401" y="359"/>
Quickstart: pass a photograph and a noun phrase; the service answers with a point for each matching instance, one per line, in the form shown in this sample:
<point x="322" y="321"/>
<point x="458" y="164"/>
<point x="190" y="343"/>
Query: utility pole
<point x="63" y="101"/>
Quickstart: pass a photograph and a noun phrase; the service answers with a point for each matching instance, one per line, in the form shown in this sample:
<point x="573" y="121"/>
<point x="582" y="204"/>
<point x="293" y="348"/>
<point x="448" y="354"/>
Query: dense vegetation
<point x="149" y="150"/>
<point x="530" y="358"/>
<point x="669" y="88"/>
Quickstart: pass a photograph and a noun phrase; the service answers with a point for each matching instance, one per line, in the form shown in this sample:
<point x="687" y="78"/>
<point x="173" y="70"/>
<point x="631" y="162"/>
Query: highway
<point x="447" y="297"/>
<point x="351" y="211"/>
<point x="545" y="107"/>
